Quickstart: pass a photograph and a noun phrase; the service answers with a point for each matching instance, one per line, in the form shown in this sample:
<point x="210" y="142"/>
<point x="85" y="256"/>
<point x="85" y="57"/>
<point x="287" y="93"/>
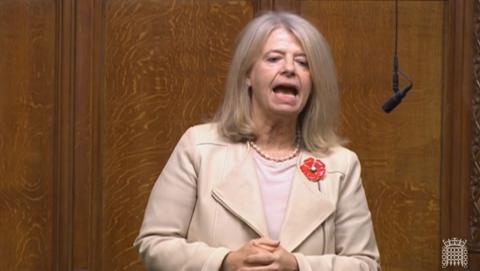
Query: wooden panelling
<point x="282" y="5"/>
<point x="165" y="65"/>
<point x="94" y="95"/>
<point x="457" y="125"/>
<point x="475" y="145"/>
<point x="87" y="212"/>
<point x="456" y="121"/>
<point x="27" y="134"/>
<point x="475" y="178"/>
<point x="64" y="140"/>
<point x="400" y="151"/>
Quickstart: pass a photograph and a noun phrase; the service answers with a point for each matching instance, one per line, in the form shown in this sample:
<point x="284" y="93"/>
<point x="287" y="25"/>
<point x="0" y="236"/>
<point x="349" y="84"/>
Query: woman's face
<point x="280" y="77"/>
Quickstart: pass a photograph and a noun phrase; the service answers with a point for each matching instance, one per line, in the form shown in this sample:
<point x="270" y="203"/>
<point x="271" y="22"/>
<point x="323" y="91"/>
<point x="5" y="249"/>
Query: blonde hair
<point x="317" y="122"/>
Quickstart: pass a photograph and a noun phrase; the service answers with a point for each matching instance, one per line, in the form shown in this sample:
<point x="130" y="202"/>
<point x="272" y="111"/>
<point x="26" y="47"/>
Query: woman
<point x="266" y="185"/>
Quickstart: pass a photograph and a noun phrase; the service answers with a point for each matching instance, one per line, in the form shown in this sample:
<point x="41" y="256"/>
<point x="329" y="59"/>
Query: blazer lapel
<point x="239" y="191"/>
<point x="307" y="209"/>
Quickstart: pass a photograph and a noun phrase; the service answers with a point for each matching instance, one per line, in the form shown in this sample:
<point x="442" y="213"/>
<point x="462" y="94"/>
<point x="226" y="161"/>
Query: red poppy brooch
<point x="314" y="169"/>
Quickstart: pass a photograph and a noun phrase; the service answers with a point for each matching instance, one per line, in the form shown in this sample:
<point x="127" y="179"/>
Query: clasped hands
<point x="260" y="255"/>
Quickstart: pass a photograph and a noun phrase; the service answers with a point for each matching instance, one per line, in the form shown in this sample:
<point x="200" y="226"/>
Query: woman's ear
<point x="249" y="83"/>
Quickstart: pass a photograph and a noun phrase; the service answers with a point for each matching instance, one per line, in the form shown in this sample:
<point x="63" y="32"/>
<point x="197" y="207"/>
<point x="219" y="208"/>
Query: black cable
<point x="391" y="103"/>
<point x="395" y="79"/>
<point x="396" y="27"/>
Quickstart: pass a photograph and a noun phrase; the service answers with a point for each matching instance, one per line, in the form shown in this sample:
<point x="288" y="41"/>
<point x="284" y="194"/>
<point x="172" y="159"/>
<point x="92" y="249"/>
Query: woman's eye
<point x="273" y="59"/>
<point x="303" y="63"/>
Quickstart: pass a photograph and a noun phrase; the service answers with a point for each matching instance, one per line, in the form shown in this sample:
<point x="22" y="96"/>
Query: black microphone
<point x="396" y="99"/>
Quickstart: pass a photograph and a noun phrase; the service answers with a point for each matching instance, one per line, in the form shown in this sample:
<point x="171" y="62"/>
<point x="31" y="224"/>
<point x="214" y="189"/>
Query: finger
<point x="266" y="241"/>
<point x="265" y="247"/>
<point x="269" y="267"/>
<point x="286" y="259"/>
<point x="261" y="258"/>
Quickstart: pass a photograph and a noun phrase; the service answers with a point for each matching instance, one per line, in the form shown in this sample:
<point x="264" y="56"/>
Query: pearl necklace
<point x="275" y="159"/>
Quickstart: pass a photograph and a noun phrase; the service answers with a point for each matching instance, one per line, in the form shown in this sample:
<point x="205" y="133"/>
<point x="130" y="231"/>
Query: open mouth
<point x="286" y="89"/>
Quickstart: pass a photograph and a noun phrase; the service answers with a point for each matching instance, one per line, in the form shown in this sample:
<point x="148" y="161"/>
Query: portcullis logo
<point x="454" y="253"/>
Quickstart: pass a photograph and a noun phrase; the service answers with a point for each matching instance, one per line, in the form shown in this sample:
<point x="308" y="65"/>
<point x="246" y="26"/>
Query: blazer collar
<point x="239" y="193"/>
<point x="307" y="209"/>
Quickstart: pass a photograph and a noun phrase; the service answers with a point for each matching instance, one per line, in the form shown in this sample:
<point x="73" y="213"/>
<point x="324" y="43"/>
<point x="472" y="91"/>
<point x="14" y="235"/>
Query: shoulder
<point x="199" y="140"/>
<point x="340" y="159"/>
<point x="205" y="134"/>
<point x="341" y="152"/>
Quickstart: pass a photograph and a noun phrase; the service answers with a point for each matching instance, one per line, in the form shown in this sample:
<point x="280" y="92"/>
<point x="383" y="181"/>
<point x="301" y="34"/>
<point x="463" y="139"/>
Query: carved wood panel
<point x="165" y="65"/>
<point x="401" y="151"/>
<point x="28" y="92"/>
<point x="475" y="153"/>
<point x="72" y="197"/>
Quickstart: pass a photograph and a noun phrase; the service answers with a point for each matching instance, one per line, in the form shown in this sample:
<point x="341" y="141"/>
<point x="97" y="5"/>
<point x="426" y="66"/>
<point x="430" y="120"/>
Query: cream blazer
<point x="207" y="202"/>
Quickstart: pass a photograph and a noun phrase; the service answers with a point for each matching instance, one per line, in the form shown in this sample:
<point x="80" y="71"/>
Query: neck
<point x="271" y="137"/>
<point x="276" y="138"/>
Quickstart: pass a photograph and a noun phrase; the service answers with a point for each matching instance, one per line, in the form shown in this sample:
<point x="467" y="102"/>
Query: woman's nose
<point x="289" y="68"/>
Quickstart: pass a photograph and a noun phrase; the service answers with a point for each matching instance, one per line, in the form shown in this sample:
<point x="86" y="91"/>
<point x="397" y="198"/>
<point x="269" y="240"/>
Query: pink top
<point x="275" y="182"/>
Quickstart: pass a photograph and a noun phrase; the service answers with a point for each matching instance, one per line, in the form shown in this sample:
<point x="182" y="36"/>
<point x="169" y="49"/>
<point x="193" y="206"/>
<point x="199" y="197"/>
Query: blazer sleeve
<point x="162" y="240"/>
<point x="355" y="245"/>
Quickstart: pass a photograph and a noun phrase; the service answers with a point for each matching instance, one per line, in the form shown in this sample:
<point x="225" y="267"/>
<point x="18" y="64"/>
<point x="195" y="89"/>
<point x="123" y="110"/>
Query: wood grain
<point x="456" y="146"/>
<point x="165" y="65"/>
<point x="143" y="71"/>
<point x="27" y="107"/>
<point x="280" y="5"/>
<point x="400" y="152"/>
<point x="86" y="242"/>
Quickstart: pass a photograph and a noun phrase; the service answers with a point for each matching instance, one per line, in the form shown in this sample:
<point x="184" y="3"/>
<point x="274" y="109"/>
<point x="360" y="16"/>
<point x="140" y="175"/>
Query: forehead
<point x="282" y="39"/>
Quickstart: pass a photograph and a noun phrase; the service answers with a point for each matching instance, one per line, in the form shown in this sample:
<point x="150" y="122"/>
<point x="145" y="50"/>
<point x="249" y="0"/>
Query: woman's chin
<point x="286" y="111"/>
